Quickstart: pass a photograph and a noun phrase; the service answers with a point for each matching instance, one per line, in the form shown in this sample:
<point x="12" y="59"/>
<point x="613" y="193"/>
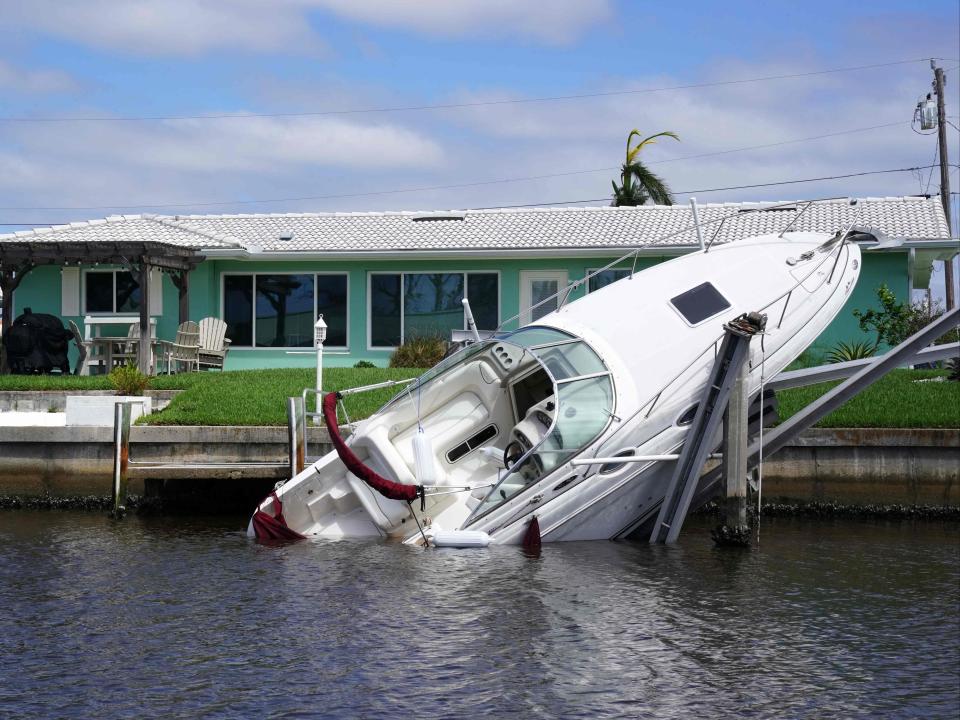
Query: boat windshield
<point x="560" y="426"/>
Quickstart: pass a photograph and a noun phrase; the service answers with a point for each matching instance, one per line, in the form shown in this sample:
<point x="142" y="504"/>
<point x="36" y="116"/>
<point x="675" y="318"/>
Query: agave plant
<point x="639" y="184"/>
<point x="845" y="352"/>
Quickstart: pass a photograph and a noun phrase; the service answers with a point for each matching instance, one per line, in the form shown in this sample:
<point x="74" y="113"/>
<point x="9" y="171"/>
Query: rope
<point x="426" y="543"/>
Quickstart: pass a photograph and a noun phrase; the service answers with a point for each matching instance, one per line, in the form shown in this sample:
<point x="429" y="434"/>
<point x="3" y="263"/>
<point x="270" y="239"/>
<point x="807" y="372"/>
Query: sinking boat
<point x="574" y="420"/>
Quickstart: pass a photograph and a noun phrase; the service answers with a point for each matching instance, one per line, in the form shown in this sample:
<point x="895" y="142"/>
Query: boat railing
<point x="651" y="403"/>
<point x="563" y="295"/>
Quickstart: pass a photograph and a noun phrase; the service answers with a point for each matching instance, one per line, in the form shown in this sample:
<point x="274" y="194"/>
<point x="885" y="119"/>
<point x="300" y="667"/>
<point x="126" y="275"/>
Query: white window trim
<point x="103" y="313"/>
<point x="253" y="320"/>
<point x="402" y="273"/>
<point x="586" y="281"/>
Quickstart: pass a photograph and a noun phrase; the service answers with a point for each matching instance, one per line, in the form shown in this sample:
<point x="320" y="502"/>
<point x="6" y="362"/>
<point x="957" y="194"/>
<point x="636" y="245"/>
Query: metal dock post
<point x="706" y="423"/>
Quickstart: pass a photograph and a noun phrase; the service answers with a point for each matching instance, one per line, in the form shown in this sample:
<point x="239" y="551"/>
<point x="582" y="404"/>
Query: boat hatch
<point x="556" y="425"/>
<point x="699" y="303"/>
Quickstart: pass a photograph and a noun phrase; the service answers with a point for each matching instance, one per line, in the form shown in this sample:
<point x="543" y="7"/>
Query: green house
<point x="379" y="278"/>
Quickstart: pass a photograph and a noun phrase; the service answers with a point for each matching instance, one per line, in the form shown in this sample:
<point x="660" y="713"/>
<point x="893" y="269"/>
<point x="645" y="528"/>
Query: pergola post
<point x="181" y="281"/>
<point x="145" y="346"/>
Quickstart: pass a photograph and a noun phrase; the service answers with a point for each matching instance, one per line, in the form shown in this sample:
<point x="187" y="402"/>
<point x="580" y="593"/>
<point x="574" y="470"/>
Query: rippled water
<point x="167" y="617"/>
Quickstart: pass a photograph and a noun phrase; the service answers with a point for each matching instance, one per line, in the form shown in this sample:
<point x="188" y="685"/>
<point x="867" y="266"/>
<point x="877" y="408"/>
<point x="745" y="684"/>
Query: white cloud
<point x="193" y="27"/>
<point x="171" y="27"/>
<point x="98" y="163"/>
<point x="16" y="79"/>
<point x="557" y="21"/>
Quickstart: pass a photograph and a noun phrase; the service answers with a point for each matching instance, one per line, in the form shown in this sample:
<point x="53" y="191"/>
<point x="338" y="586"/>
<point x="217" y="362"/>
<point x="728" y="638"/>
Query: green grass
<point x="259" y="397"/>
<point x="894" y="401"/>
<point x="93" y="382"/>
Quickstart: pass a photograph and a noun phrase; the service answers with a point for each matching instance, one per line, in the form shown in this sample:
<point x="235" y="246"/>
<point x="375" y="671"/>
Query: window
<point x="699" y="303"/>
<point x="605" y="277"/>
<point x="111" y="291"/>
<point x="279" y="309"/>
<point x="408" y="305"/>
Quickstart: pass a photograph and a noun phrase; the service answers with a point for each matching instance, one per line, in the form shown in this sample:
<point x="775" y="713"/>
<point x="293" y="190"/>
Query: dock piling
<point x="121" y="457"/>
<point x="734" y="530"/>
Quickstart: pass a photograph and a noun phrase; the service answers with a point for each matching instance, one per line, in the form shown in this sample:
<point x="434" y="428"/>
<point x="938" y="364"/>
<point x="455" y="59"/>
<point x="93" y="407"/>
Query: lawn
<point x="258" y="397"/>
<point x="895" y="401"/>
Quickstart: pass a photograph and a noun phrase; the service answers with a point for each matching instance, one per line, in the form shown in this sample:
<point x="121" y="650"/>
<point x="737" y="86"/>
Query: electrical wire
<point x="430" y="188"/>
<point x="450" y="106"/>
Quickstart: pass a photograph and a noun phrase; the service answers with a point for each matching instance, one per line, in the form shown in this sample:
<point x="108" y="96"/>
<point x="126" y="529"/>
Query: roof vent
<point x="286" y="235"/>
<point x="772" y="208"/>
<point x="438" y="218"/>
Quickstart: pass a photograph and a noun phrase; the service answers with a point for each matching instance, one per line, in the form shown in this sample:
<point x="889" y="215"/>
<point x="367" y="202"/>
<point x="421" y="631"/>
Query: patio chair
<point x="184" y="351"/>
<point x="214" y="343"/>
<point x="83" y="347"/>
<point x="125" y="352"/>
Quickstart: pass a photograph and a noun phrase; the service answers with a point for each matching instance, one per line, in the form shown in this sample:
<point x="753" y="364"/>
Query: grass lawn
<point x="258" y="397"/>
<point x="894" y="401"/>
<point x="92" y="382"/>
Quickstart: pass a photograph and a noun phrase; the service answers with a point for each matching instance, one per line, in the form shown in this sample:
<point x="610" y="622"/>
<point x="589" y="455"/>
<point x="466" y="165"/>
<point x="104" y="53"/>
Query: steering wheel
<point x="513" y="452"/>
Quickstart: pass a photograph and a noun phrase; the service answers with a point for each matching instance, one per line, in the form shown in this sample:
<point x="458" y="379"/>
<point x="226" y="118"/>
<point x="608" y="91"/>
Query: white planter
<point x="99" y="409"/>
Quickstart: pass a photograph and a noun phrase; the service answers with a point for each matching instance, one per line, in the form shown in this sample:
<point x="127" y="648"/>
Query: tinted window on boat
<point x="699" y="303"/>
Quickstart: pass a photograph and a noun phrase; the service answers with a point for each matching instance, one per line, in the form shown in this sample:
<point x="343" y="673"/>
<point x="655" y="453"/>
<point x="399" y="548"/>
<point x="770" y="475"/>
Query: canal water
<point x="186" y="618"/>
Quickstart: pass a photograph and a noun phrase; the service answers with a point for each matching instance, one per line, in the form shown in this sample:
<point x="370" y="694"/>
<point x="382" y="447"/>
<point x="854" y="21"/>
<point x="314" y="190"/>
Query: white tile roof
<point x="573" y="228"/>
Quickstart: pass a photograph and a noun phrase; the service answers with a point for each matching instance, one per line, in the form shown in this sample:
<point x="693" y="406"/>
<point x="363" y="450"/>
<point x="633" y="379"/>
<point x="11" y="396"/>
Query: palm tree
<point x="639" y="184"/>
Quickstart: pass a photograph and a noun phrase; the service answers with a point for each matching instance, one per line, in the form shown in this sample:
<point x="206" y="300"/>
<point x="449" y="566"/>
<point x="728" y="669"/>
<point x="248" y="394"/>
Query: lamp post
<point x="319" y="335"/>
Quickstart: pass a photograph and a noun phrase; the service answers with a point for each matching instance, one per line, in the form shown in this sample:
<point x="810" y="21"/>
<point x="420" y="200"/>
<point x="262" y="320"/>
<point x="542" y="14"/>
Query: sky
<point x="324" y="90"/>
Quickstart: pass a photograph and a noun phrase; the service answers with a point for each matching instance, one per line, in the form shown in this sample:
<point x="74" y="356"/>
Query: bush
<point x="360" y="364"/>
<point x="894" y="322"/>
<point x="844" y="352"/>
<point x="128" y="380"/>
<point x="419" y="352"/>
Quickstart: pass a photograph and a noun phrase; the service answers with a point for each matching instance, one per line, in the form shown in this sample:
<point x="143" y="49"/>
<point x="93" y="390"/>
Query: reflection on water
<point x="182" y="618"/>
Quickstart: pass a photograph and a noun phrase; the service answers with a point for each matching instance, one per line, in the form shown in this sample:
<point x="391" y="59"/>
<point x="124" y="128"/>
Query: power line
<point x="451" y="106"/>
<point x="681" y="192"/>
<point x="478" y="183"/>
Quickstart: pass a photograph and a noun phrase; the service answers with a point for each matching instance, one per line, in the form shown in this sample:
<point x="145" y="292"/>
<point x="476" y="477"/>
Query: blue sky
<point x="81" y="58"/>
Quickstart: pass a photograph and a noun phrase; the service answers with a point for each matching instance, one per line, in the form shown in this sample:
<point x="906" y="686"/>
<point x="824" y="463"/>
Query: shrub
<point x="894" y="322"/>
<point x="419" y="352"/>
<point x="364" y="364"/>
<point x="844" y="352"/>
<point x="128" y="380"/>
<point x="953" y="365"/>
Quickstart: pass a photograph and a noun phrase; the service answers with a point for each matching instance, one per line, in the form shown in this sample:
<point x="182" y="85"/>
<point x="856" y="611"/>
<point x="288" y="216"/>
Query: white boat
<point x="505" y="429"/>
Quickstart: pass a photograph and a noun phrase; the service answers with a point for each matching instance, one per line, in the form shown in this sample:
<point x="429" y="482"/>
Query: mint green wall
<point x="41" y="290"/>
<point x="878" y="268"/>
<point x="357" y="271"/>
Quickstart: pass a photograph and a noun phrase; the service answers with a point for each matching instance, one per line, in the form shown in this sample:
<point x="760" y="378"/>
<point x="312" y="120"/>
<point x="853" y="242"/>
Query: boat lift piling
<point x="731" y="358"/>
<point x="734" y="530"/>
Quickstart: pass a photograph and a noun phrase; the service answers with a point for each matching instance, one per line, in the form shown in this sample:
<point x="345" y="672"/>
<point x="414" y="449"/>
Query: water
<point x="175" y="618"/>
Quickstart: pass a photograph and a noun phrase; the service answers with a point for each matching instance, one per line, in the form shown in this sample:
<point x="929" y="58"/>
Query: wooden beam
<point x="145" y="346"/>
<point x="181" y="281"/>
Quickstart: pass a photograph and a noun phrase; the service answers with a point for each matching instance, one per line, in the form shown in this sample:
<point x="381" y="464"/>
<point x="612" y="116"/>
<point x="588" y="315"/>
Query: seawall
<point x="849" y="466"/>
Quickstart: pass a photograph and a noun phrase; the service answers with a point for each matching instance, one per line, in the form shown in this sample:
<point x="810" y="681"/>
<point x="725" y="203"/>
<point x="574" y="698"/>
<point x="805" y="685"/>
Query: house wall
<point x="41" y="290"/>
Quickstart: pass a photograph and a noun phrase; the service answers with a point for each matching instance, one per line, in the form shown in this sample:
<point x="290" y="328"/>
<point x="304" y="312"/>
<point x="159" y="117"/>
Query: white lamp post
<point x="319" y="335"/>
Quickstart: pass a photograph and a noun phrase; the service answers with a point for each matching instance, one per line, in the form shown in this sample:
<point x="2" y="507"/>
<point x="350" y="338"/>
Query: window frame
<point x="253" y="320"/>
<point x="590" y="271"/>
<point x="403" y="290"/>
<point x="113" y="295"/>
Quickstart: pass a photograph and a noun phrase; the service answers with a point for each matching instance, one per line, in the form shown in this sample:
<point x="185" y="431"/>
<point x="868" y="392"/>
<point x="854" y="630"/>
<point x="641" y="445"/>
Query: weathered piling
<point x="734" y="529"/>
<point x="121" y="457"/>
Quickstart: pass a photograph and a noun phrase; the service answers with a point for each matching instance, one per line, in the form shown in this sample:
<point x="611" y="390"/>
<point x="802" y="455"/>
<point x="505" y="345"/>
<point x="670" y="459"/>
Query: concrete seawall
<point x="851" y="466"/>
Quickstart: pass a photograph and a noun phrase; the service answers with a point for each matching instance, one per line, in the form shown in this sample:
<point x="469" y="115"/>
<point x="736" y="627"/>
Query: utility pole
<point x="939" y="80"/>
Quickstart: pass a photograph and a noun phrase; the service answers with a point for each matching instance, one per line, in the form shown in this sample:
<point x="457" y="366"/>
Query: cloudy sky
<point x="331" y="97"/>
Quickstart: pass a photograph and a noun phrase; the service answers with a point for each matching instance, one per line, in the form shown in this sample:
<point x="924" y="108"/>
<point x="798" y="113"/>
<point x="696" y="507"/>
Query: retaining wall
<point x="851" y="466"/>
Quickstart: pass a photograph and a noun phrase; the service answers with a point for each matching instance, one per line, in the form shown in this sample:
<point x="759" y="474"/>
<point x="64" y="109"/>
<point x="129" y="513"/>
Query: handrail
<point x="634" y="252"/>
<point x="655" y="397"/>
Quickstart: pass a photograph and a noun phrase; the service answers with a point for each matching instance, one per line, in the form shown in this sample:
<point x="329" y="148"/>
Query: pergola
<point x="17" y="258"/>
